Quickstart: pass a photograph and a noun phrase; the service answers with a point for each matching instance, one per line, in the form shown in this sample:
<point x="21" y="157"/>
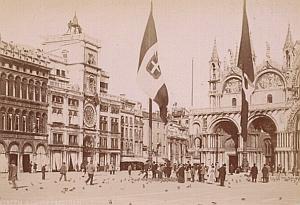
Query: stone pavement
<point x="120" y="189"/>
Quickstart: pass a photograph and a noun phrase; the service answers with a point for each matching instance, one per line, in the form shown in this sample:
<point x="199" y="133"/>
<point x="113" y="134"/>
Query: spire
<point x="215" y="56"/>
<point x="268" y="49"/>
<point x="75" y="19"/>
<point x="236" y="54"/>
<point x="288" y="41"/>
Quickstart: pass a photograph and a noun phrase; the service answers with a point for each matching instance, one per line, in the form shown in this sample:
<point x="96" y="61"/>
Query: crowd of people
<point x="183" y="172"/>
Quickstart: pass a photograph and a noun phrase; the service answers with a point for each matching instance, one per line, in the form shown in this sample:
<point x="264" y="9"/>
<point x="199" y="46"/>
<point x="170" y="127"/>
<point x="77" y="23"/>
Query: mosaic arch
<point x="232" y="85"/>
<point x="269" y="80"/>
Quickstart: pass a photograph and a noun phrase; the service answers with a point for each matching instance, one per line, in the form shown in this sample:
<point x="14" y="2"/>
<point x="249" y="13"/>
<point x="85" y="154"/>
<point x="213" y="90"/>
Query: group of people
<point x="189" y="172"/>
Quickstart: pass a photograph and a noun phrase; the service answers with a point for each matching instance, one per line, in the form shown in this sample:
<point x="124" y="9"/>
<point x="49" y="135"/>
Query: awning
<point x="133" y="159"/>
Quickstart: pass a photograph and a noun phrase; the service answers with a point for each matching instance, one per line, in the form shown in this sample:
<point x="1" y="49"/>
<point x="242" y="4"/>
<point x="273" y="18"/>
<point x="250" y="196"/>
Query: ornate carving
<point x="269" y="80"/>
<point x="233" y="86"/>
<point x="92" y="84"/>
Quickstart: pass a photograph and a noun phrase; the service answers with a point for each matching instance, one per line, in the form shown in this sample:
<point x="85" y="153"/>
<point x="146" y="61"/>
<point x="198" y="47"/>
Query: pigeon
<point x="280" y="198"/>
<point x="166" y="190"/>
<point x="189" y="186"/>
<point x="178" y="187"/>
<point x="144" y="186"/>
<point x="41" y="187"/>
<point x="214" y="202"/>
<point x="110" y="202"/>
<point x="243" y="199"/>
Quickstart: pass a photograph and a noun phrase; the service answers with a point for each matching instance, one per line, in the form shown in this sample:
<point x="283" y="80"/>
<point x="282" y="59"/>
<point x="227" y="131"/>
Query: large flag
<point x="149" y="75"/>
<point x="246" y="64"/>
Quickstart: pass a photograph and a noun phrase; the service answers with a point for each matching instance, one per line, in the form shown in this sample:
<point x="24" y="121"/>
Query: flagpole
<point x="192" y="94"/>
<point x="150" y="130"/>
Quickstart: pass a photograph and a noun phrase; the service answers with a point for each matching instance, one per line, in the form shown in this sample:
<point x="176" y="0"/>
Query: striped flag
<point x="149" y="76"/>
<point x="246" y="64"/>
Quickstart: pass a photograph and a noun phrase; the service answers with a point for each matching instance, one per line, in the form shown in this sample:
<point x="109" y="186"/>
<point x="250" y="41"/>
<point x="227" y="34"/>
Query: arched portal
<point x="88" y="148"/>
<point x="226" y="142"/>
<point x="261" y="141"/>
<point x="27" y="157"/>
<point x="14" y="153"/>
<point x="3" y="159"/>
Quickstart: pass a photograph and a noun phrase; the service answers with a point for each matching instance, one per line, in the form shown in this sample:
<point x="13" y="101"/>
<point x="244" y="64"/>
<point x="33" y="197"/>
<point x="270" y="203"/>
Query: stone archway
<point x="88" y="148"/>
<point x="3" y="159"/>
<point x="226" y="145"/>
<point x="261" y="141"/>
<point x="27" y="156"/>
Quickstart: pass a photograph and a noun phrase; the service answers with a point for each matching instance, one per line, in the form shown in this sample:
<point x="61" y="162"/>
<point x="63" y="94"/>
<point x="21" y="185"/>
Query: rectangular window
<point x="57" y="138"/>
<point x="63" y="73"/>
<point x="57" y="72"/>
<point x="72" y="139"/>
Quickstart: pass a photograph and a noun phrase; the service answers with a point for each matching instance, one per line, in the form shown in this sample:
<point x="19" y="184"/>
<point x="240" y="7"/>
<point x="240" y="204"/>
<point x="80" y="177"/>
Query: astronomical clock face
<point x="89" y="116"/>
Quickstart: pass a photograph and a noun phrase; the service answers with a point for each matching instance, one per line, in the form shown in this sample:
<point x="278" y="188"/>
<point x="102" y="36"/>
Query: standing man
<point x="154" y="168"/>
<point x="63" y="171"/>
<point x="43" y="172"/>
<point x="12" y="174"/>
<point x="265" y="173"/>
<point x="222" y="174"/>
<point x="34" y="167"/>
<point x="254" y="172"/>
<point x="129" y="169"/>
<point x="90" y="168"/>
<point x="202" y="172"/>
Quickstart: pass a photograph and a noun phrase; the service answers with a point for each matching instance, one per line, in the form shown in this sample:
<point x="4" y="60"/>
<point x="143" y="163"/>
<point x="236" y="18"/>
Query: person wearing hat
<point x="222" y="174"/>
<point x="254" y="172"/>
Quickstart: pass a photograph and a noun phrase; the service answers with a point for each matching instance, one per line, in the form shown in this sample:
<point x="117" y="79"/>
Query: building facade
<point x="110" y="131"/>
<point x="131" y="133"/>
<point x="74" y="133"/>
<point x="24" y="75"/>
<point x="65" y="120"/>
<point x="274" y="112"/>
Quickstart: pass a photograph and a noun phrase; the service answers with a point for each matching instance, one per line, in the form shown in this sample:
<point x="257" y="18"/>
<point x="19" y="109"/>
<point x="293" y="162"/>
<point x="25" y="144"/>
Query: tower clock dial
<point x="89" y="116"/>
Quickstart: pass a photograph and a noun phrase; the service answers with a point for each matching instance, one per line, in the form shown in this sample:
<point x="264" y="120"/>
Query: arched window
<point x="3" y="84"/>
<point x="30" y="122"/>
<point x="2" y="119"/>
<point x="37" y="91"/>
<point x="9" y="121"/>
<point x="17" y="87"/>
<point x="24" y="88"/>
<point x="269" y="98"/>
<point x="30" y="89"/>
<point x="17" y="121"/>
<point x="10" y="85"/>
<point x="44" y="92"/>
<point x="24" y="123"/>
<point x="37" y="123"/>
<point x="233" y="102"/>
<point x="44" y="123"/>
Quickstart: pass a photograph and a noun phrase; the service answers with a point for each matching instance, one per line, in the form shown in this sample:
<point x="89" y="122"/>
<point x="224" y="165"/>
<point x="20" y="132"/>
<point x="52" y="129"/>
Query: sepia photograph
<point x="150" y="102"/>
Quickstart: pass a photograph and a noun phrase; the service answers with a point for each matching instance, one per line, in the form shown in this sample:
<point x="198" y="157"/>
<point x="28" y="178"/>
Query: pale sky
<point x="186" y="29"/>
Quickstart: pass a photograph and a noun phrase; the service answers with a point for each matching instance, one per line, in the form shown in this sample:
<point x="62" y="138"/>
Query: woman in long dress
<point x="211" y="174"/>
<point x="180" y="174"/>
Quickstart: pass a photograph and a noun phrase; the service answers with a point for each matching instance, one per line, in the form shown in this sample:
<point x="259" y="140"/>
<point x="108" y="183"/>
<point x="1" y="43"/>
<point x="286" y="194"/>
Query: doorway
<point x="13" y="158"/>
<point x="26" y="163"/>
<point x="233" y="159"/>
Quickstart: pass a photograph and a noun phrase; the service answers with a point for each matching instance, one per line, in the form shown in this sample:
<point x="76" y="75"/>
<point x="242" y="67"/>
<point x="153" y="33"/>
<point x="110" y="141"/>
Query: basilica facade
<point x="274" y="112"/>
